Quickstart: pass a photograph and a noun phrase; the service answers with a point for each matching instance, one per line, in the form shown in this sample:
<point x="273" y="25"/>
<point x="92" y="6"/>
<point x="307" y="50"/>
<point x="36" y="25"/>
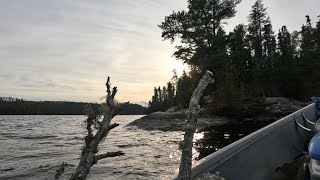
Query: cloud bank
<point x="64" y="49"/>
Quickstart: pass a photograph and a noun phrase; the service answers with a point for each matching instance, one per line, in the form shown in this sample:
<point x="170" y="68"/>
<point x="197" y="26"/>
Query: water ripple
<point x="33" y="147"/>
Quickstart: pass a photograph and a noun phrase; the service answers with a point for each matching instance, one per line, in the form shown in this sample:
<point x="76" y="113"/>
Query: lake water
<point x="32" y="147"/>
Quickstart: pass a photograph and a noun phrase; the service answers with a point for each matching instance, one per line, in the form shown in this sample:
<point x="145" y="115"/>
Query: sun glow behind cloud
<point x="63" y="50"/>
<point x="179" y="66"/>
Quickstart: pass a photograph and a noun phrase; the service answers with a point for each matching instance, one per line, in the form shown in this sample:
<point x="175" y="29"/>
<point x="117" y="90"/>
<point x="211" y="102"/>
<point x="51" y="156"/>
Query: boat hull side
<point x="257" y="155"/>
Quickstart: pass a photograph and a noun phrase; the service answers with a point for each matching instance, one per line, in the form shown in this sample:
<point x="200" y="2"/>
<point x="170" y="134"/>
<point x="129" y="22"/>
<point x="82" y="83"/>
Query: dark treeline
<point x="163" y="98"/>
<point x="251" y="61"/>
<point x="15" y="106"/>
<point x="132" y="109"/>
<point x="177" y="92"/>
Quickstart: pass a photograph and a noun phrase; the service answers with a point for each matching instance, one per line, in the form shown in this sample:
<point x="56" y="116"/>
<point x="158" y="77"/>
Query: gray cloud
<point x="64" y="49"/>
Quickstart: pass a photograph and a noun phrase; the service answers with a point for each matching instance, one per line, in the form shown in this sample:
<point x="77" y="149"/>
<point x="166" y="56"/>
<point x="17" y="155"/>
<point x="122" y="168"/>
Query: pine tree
<point x="317" y="38"/>
<point x="259" y="30"/>
<point x="308" y="59"/>
<point x="287" y="77"/>
<point x="184" y="90"/>
<point x="171" y="94"/>
<point x="257" y="20"/>
<point x="269" y="47"/>
<point x="200" y="32"/>
<point x="286" y="47"/>
<point x="175" y="77"/>
<point x="165" y="104"/>
<point x="155" y="102"/>
<point x="239" y="53"/>
<point x="308" y="42"/>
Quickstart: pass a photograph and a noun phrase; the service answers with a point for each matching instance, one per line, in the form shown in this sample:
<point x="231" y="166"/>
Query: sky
<point x="65" y="49"/>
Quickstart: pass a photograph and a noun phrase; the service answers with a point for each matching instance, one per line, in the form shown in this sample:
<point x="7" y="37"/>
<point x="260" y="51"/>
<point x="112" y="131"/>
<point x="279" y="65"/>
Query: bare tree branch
<point x="191" y="125"/>
<point x="88" y="157"/>
<point x="113" y="126"/>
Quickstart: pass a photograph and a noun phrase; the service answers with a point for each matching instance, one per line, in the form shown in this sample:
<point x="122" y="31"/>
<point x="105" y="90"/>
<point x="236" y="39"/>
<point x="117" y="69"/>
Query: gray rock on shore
<point x="266" y="110"/>
<point x="174" y="121"/>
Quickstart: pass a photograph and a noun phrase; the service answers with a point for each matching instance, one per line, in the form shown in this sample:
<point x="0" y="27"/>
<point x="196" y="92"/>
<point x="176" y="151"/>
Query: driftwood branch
<point x="108" y="154"/>
<point x="113" y="126"/>
<point x="89" y="157"/>
<point x="60" y="171"/>
<point x="191" y="125"/>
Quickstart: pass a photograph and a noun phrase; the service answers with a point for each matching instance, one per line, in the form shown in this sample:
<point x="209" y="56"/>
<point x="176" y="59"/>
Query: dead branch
<point x="109" y="154"/>
<point x="113" y="126"/>
<point x="60" y="171"/>
<point x="191" y="125"/>
<point x="89" y="157"/>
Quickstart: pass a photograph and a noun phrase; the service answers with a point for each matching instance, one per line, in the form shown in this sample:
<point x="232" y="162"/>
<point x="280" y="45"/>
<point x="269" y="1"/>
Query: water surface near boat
<point x="32" y="147"/>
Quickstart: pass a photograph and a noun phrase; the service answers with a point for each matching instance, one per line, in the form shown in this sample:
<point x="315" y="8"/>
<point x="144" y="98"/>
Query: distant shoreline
<point x="15" y="106"/>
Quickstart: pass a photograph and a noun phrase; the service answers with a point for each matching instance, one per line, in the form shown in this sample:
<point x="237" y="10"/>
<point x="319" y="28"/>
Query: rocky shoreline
<point x="165" y="121"/>
<point x="265" y="110"/>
